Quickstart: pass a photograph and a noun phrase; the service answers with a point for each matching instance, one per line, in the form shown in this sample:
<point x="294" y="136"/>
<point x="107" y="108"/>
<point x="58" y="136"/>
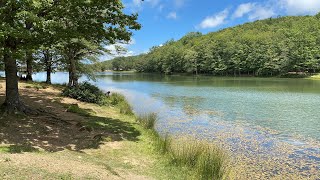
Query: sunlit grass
<point x="120" y="101"/>
<point x="147" y="120"/>
<point x="316" y="77"/>
<point x="204" y="158"/>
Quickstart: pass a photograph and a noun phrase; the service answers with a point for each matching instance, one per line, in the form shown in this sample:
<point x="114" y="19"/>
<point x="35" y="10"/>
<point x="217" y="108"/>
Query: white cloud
<point x="172" y="15"/>
<point x="179" y="3"/>
<point x="138" y="5"/>
<point x="261" y="12"/>
<point x="215" y="20"/>
<point x="243" y="9"/>
<point x="299" y="7"/>
<point x="255" y="11"/>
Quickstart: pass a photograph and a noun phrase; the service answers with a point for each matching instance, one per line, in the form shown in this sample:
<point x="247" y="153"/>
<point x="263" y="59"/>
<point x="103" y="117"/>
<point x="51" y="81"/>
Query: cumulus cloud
<point x="300" y="7"/>
<point x="215" y="20"/>
<point x="138" y="5"/>
<point x="261" y="12"/>
<point x="172" y="15"/>
<point x="254" y="11"/>
<point x="243" y="9"/>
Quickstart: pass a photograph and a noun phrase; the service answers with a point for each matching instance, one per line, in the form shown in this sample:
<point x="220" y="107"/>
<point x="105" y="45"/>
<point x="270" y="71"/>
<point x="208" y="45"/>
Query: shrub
<point x="86" y="92"/>
<point x="116" y="99"/>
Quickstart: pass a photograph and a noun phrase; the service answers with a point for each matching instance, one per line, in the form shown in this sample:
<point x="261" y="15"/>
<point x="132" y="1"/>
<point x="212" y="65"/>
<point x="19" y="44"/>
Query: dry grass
<point x="69" y="139"/>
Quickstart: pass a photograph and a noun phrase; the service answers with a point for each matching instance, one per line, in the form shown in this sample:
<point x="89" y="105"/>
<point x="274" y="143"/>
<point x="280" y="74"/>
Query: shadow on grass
<point x="18" y="149"/>
<point x="58" y="127"/>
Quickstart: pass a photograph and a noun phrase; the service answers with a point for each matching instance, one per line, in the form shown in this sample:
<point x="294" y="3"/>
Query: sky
<point x="163" y="20"/>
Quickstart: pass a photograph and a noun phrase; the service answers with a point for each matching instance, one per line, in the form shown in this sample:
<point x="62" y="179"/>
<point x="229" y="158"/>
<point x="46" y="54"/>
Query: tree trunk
<point x="29" y="60"/>
<point x="12" y="102"/>
<point x="73" y="77"/>
<point x="48" y="81"/>
<point x="48" y="63"/>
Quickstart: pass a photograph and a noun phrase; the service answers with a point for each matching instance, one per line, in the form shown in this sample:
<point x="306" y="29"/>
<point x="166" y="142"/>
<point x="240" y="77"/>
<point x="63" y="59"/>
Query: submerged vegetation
<point x="271" y="47"/>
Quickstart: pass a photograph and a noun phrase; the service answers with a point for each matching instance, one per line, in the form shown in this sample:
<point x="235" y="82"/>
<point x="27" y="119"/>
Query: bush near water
<point x="86" y="92"/>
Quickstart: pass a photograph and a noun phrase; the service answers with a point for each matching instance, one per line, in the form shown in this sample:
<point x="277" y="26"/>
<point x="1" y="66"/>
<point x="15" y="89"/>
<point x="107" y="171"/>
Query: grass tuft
<point x="147" y="120"/>
<point x="207" y="160"/>
<point x="204" y="158"/>
<point x="120" y="101"/>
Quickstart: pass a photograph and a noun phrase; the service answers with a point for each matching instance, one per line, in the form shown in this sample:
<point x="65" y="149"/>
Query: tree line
<point x="45" y="35"/>
<point x="270" y="47"/>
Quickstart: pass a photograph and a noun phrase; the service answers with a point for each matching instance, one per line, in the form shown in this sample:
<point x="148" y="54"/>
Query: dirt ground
<point x="57" y="144"/>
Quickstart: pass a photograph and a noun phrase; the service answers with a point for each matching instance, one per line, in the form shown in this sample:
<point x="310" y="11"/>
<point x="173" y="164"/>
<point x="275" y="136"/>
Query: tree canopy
<point x="263" y="48"/>
<point x="72" y="30"/>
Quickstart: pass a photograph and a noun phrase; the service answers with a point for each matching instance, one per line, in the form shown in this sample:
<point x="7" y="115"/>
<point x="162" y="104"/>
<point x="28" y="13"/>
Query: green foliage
<point x="86" y="92"/>
<point x="120" y="101"/>
<point x="125" y="108"/>
<point x="268" y="47"/>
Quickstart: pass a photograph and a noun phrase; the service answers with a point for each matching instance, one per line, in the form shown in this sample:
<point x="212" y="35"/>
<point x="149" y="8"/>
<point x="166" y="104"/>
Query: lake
<point x="258" y="119"/>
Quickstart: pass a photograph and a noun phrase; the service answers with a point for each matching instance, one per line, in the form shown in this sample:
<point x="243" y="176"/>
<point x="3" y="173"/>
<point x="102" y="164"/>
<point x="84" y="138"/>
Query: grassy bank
<point x="315" y="77"/>
<point x="69" y="139"/>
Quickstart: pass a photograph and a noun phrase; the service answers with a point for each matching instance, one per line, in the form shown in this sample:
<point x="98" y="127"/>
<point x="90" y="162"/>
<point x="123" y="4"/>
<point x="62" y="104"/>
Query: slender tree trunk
<point x="73" y="77"/>
<point x="48" y="81"/>
<point x="29" y="60"/>
<point x="12" y="102"/>
<point x="70" y="77"/>
<point x="48" y="63"/>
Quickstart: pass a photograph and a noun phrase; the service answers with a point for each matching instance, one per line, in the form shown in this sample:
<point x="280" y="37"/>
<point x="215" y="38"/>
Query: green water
<point x="256" y="117"/>
<point x="290" y="106"/>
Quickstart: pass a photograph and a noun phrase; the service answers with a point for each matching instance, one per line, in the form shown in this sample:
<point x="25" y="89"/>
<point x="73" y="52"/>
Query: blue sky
<point x="163" y="20"/>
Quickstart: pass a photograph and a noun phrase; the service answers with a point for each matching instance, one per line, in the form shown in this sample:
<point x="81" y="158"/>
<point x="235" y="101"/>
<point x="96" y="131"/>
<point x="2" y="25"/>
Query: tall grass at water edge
<point x="204" y="158"/>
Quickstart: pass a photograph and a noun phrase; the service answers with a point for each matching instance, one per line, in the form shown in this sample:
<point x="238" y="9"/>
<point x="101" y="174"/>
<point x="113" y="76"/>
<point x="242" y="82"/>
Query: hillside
<point x="269" y="47"/>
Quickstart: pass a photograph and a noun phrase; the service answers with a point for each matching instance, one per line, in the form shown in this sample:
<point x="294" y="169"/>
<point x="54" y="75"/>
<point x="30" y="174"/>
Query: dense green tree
<point x="268" y="47"/>
<point x="76" y="25"/>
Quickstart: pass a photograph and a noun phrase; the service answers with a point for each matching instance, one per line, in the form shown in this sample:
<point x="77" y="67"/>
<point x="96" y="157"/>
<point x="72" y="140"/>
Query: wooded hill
<point x="269" y="47"/>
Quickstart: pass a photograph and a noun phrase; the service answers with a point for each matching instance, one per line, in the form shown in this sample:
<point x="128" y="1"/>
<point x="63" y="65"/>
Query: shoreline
<point x="241" y="170"/>
<point x="107" y="137"/>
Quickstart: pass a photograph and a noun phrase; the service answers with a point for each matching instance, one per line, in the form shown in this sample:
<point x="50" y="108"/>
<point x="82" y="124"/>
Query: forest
<point x="270" y="47"/>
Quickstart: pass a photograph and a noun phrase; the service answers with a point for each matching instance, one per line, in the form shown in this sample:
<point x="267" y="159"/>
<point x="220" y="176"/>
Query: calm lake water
<point x="274" y="113"/>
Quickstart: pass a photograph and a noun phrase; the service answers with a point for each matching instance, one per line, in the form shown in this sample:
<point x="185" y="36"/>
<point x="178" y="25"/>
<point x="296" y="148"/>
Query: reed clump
<point x="147" y="120"/>
<point x="207" y="160"/>
<point x="120" y="101"/>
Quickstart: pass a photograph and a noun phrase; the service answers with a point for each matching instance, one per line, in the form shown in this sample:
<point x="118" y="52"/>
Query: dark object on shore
<point x="108" y="93"/>
<point x="23" y="78"/>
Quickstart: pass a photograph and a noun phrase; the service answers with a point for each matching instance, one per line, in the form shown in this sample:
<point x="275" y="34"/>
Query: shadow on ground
<point x="54" y="129"/>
